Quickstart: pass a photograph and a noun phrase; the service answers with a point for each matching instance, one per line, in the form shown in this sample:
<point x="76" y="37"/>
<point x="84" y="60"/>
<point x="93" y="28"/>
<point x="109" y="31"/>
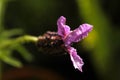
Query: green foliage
<point x="25" y="54"/>
<point x="8" y="45"/>
<point x="5" y="55"/>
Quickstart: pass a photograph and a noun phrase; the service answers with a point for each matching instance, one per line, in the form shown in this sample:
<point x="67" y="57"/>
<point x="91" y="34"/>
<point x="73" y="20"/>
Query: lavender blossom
<point x="69" y="37"/>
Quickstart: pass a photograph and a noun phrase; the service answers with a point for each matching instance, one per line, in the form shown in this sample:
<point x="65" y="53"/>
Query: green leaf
<point x="12" y="61"/>
<point x="4" y="56"/>
<point x="25" y="54"/>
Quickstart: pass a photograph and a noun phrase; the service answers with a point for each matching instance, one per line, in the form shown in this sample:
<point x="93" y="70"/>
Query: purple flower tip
<point x="70" y="36"/>
<point x="63" y="29"/>
<point x="76" y="59"/>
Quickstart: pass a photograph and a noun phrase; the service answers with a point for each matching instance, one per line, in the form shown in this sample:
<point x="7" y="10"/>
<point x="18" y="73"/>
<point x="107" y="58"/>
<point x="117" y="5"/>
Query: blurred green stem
<point x="93" y="14"/>
<point x="26" y="38"/>
<point x="2" y="10"/>
<point x="19" y="40"/>
<point x="11" y="42"/>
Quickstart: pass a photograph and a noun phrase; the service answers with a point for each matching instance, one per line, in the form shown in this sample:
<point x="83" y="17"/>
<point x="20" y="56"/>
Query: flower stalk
<point x="26" y="38"/>
<point x="19" y="40"/>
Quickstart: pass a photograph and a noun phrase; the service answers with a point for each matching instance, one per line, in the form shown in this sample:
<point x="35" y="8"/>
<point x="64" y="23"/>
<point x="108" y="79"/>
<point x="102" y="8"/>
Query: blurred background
<point x="100" y="50"/>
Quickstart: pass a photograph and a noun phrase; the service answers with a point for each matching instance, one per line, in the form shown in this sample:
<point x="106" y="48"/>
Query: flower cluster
<point x="69" y="37"/>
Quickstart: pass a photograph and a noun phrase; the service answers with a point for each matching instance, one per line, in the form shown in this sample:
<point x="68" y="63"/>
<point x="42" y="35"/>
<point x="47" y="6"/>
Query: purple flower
<point x="73" y="36"/>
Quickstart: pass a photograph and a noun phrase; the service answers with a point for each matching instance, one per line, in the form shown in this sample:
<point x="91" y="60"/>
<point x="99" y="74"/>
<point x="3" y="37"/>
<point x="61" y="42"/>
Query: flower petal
<point x="78" y="34"/>
<point x="63" y="29"/>
<point x="76" y="59"/>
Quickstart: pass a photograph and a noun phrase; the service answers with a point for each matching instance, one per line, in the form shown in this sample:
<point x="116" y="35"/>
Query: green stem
<point x="11" y="42"/>
<point x="19" y="40"/>
<point x="26" y="38"/>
